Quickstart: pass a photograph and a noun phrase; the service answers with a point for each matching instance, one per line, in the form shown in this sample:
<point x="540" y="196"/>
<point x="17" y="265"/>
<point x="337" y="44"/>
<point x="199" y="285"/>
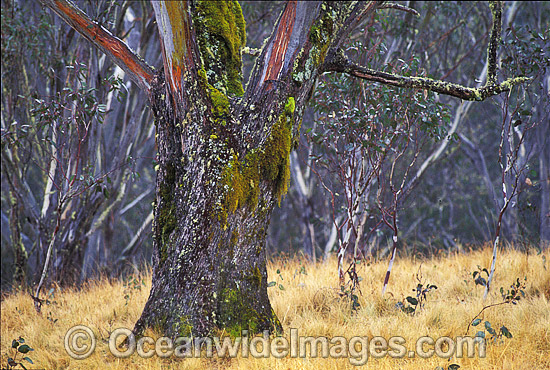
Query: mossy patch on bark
<point x="221" y="35"/>
<point x="241" y="178"/>
<point x="235" y="315"/>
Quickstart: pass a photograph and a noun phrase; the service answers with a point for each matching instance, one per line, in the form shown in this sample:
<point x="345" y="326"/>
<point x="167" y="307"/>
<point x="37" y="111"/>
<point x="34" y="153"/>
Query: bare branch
<point x="336" y="61"/>
<point x="352" y="15"/>
<point x="136" y="68"/>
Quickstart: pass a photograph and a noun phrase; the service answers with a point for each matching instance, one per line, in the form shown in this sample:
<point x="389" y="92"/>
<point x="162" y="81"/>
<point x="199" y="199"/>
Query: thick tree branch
<point x="336" y="61"/>
<point x="339" y="63"/>
<point x="134" y="66"/>
<point x="278" y="55"/>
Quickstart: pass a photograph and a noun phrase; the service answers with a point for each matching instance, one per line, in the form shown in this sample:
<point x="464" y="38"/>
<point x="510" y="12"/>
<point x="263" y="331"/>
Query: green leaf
<point x="271" y="283"/>
<point x="24" y="348"/>
<point x="476" y="322"/>
<point x="14" y="344"/>
<point x="506" y="332"/>
<point x="487" y="325"/>
<point x="480" y="334"/>
<point x="281" y="287"/>
<point x="28" y="359"/>
<point x="453" y="367"/>
<point x="412" y="301"/>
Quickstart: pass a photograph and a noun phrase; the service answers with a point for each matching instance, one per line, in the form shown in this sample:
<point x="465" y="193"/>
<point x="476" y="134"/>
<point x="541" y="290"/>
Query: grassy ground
<point x="310" y="303"/>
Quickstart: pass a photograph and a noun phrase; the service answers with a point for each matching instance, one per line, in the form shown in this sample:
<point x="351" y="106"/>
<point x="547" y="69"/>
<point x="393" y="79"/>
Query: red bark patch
<point x="105" y="39"/>
<point x="282" y="38"/>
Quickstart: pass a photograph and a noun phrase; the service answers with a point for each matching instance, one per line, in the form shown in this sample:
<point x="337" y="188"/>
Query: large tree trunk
<point x="209" y="263"/>
<point x="209" y="255"/>
<point x="224" y="157"/>
<point x="223" y="164"/>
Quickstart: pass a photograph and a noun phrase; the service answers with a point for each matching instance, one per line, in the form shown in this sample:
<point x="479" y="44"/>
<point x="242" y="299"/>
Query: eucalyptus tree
<point x="223" y="148"/>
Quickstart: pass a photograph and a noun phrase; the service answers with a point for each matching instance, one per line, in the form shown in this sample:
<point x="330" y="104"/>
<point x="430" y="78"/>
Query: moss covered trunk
<point x="223" y="150"/>
<point x="223" y="158"/>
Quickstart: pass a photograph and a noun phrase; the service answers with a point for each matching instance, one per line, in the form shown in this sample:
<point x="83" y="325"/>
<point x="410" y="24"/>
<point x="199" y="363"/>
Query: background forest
<point x="374" y="161"/>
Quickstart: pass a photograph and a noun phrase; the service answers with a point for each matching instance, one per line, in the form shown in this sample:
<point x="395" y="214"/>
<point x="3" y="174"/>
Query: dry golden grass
<point x="310" y="303"/>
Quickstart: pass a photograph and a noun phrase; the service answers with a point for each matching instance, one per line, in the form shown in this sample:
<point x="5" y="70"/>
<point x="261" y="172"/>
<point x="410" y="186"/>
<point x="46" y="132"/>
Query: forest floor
<point x="306" y="298"/>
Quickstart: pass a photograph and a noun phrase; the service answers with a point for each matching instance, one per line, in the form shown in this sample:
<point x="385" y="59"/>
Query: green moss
<point x="220" y="102"/>
<point x="275" y="164"/>
<point x="185" y="328"/>
<point x="221" y="35"/>
<point x="241" y="178"/>
<point x="320" y="35"/>
<point x="236" y="314"/>
<point x="290" y="106"/>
